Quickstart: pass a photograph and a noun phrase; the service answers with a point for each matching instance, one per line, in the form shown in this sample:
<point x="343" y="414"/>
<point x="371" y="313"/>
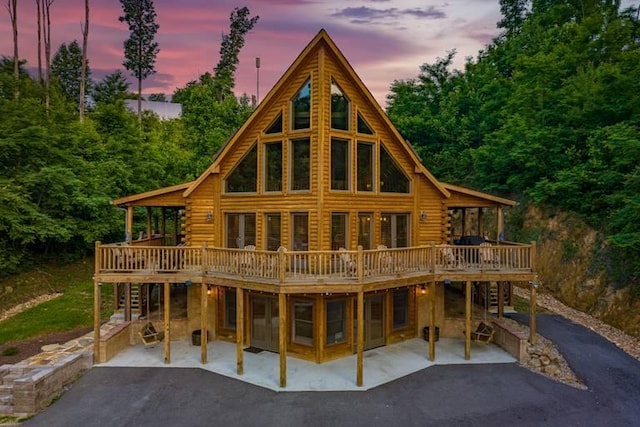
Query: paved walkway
<point x="451" y="395"/>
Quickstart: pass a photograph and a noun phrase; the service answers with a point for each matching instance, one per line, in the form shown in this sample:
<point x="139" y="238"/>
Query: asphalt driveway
<point x="453" y="395"/>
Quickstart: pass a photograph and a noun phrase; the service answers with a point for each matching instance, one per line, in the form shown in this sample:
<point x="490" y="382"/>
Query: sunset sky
<point x="384" y="40"/>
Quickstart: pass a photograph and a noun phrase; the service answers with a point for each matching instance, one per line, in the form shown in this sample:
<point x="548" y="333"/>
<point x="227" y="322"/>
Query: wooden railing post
<point x="532" y="259"/>
<point x="433" y="256"/>
<point x="96" y="305"/>
<point x="360" y="264"/>
<point x="282" y="259"/>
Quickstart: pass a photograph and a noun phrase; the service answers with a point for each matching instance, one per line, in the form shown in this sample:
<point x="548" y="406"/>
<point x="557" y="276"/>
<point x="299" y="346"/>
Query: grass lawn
<point x="72" y="310"/>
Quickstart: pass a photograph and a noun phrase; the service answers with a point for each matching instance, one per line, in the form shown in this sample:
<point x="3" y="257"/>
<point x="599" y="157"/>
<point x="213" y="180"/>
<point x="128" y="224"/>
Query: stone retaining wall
<point x="512" y="339"/>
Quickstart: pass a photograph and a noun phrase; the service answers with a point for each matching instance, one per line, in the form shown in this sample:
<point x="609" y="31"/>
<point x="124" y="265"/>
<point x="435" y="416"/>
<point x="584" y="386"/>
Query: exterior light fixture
<point x="209" y="216"/>
<point x="423" y="289"/>
<point x="423" y="216"/>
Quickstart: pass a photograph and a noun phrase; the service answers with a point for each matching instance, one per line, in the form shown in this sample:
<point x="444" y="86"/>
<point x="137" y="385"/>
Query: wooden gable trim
<point x="480" y="195"/>
<point x="154" y="193"/>
<point x="264" y="105"/>
<point x="377" y="108"/>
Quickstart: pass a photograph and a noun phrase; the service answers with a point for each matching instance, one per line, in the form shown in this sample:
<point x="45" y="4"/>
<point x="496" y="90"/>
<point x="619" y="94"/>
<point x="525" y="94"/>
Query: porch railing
<point x="297" y="266"/>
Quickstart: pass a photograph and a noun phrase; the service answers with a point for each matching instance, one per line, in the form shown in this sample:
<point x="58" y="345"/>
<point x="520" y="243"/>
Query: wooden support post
<point x="96" y="321"/>
<point x="239" y="331"/>
<point x="432" y="321"/>
<point x="360" y="362"/>
<point x="148" y="222"/>
<point x="96" y="305"/>
<point x="163" y="227"/>
<point x="176" y="227"/>
<point x="499" y="225"/>
<point x="532" y="314"/>
<point x="500" y="299"/>
<point x="360" y="264"/>
<point x="467" y="321"/>
<point x="127" y="302"/>
<point x="282" y="260"/>
<point x="282" y="337"/>
<point x="464" y="222"/>
<point x="204" y="311"/>
<point x="167" y="322"/>
<point x="129" y="225"/>
<point x="480" y="222"/>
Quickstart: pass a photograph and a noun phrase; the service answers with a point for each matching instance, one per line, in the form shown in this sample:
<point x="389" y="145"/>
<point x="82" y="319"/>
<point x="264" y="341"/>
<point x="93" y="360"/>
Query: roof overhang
<point x="479" y="198"/>
<point x="166" y="197"/>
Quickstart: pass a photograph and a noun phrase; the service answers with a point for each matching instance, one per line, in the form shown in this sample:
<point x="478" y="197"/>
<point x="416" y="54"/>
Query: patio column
<point x="148" y="222"/>
<point x="480" y="222"/>
<point x="499" y="225"/>
<point x="282" y="337"/>
<point x="463" y="219"/>
<point x="127" y="301"/>
<point x="163" y="227"/>
<point x="360" y="357"/>
<point x="204" y="315"/>
<point x="96" y="306"/>
<point x="239" y="331"/>
<point x="128" y="236"/>
<point x="167" y="323"/>
<point x="432" y="321"/>
<point x="500" y="299"/>
<point x="467" y="322"/>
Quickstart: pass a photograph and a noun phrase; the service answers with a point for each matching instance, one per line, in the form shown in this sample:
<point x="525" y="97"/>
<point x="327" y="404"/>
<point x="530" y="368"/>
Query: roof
<point x="321" y="37"/>
<point x="479" y="195"/>
<point x="149" y="196"/>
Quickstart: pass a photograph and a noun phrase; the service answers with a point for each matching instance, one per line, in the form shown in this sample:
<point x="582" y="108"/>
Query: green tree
<point x="157" y="97"/>
<point x="140" y="49"/>
<point x="66" y="69"/>
<point x="114" y="87"/>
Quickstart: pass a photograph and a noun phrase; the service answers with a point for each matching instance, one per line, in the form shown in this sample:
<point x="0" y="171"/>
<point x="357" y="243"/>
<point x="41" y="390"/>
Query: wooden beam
<point x="464" y="222"/>
<point x="467" y="321"/>
<point x="432" y="321"/>
<point x="500" y="225"/>
<point x="163" y="227"/>
<point x="148" y="222"/>
<point x="204" y="310"/>
<point x="239" y="331"/>
<point x="127" y="302"/>
<point x="360" y="358"/>
<point x="282" y="337"/>
<point x="129" y="225"/>
<point x="532" y="314"/>
<point x="480" y="222"/>
<point x="167" y="322"/>
<point x="500" y="299"/>
<point x="96" y="306"/>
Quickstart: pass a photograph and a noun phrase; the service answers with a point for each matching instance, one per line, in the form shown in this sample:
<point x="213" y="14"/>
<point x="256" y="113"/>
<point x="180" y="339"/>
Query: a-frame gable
<point x="292" y="77"/>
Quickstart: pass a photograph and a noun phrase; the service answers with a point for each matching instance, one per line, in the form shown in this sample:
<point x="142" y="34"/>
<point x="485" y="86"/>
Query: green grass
<point x="74" y="309"/>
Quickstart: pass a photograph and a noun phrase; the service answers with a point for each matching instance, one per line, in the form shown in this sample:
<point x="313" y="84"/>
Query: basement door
<point x="373" y="322"/>
<point x="264" y="323"/>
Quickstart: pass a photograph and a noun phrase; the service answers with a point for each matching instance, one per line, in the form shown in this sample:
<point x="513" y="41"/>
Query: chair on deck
<point x="448" y="257"/>
<point x="249" y="261"/>
<point x="484" y="333"/>
<point x="150" y="336"/>
<point x="347" y="262"/>
<point x="487" y="256"/>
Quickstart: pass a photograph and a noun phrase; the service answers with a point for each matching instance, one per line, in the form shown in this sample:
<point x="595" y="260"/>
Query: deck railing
<point x="314" y="266"/>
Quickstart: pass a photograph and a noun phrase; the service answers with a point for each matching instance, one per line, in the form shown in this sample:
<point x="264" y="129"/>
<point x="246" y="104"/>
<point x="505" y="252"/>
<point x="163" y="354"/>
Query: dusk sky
<point x="384" y="40"/>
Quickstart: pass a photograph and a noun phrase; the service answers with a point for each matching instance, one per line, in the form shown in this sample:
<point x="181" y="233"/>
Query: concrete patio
<point x="381" y="365"/>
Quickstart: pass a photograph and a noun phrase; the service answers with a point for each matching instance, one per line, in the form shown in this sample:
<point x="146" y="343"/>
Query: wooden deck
<point x="304" y="271"/>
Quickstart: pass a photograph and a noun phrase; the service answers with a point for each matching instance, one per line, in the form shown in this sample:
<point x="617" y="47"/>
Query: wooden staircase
<point x="493" y="298"/>
<point x="136" y="301"/>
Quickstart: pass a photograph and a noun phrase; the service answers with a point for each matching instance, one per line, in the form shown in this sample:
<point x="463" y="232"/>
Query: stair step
<point x="6" y="399"/>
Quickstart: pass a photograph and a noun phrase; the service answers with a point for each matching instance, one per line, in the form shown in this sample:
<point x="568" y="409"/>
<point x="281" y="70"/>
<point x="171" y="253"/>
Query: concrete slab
<point x="381" y="365"/>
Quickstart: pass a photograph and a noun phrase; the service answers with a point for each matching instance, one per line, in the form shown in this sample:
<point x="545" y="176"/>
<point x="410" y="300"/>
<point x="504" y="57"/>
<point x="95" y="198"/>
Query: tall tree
<point x="46" y="18"/>
<point x="39" y="33"/>
<point x="66" y="68"/>
<point x="232" y="43"/>
<point x="140" y="49"/>
<point x="12" y="7"/>
<point x="84" y="70"/>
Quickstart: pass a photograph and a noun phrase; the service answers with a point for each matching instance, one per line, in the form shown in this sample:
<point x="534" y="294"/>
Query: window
<point x="275" y="126"/>
<point x="365" y="232"/>
<point x="241" y="230"/>
<point x="339" y="164"/>
<point x="273" y="231"/>
<point x="339" y="231"/>
<point x="301" y="108"/>
<point x="365" y="166"/>
<point x="392" y="178"/>
<point x="394" y="230"/>
<point x="300" y="231"/>
<point x="339" y="108"/>
<point x="273" y="166"/>
<point x="336" y="321"/>
<point x="243" y="178"/>
<point x="363" y="127"/>
<point x="300" y="164"/>
<point x="303" y="322"/>
<point x="230" y="308"/>
<point x="400" y="309"/>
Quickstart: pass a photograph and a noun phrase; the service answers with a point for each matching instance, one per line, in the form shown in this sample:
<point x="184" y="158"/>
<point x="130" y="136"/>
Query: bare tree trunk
<point x="12" y="7"/>
<point x="39" y="10"/>
<point x="139" y="100"/>
<point x="83" y="71"/>
<point x="47" y="51"/>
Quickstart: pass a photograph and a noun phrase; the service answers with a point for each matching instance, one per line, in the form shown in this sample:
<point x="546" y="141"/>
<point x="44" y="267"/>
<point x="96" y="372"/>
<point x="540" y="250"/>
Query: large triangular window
<point x="363" y="126"/>
<point x="340" y="108"/>
<point x="275" y="126"/>
<point x="301" y="108"/>
<point x="392" y="178"/>
<point x="244" y="177"/>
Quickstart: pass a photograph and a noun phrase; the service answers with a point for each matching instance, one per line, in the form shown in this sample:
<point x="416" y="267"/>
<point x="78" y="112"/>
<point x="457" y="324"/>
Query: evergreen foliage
<point x="548" y="112"/>
<point x="66" y="69"/>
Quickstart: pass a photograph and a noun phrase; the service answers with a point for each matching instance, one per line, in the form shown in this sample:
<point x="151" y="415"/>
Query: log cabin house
<point x="316" y="233"/>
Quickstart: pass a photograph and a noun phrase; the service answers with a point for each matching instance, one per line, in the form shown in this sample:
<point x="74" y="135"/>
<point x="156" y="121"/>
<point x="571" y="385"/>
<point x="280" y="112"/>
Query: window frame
<point x="342" y="320"/>
<point x="293" y="162"/>
<point x="335" y="84"/>
<point x="230" y="309"/>
<point x="292" y="115"/>
<point x="347" y="164"/>
<point x="254" y="147"/>
<point x="345" y="231"/>
<point x="394" y="163"/>
<point x="372" y="172"/>
<point x="265" y="166"/>
<point x="267" y="236"/>
<point x="293" y="217"/>
<point x="301" y="339"/>
<point x="371" y="231"/>
<point x="393" y="224"/>
<point x="404" y="310"/>
<point x="242" y="225"/>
